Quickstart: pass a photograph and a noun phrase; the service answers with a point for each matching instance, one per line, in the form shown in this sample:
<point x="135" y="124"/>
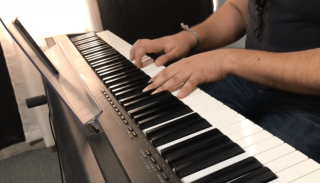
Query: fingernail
<point x="158" y="63"/>
<point x="154" y="92"/>
<point x="180" y="95"/>
<point x="150" y="81"/>
<point x="145" y="89"/>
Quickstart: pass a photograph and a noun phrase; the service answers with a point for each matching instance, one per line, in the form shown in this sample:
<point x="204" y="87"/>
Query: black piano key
<point x="130" y="92"/>
<point x="190" y="143"/>
<point x="84" y="36"/>
<point x="199" y="151"/>
<point x="169" y="126"/>
<point x="135" y="84"/>
<point x="94" y="38"/>
<point x="154" y="105"/>
<point x="111" y="66"/>
<point x="146" y="100"/>
<point x="132" y="80"/>
<point x="232" y="172"/>
<point x="90" y="45"/>
<point x="102" y="56"/>
<point x="93" y="43"/>
<point x="163" y="117"/>
<point x="119" y="87"/>
<point x="207" y="160"/>
<point x="262" y="175"/>
<point x="126" y="79"/>
<point x="136" y="97"/>
<point x="180" y="131"/>
<point x="99" y="53"/>
<point x="113" y="72"/>
<point x="107" y="62"/>
<point x="95" y="49"/>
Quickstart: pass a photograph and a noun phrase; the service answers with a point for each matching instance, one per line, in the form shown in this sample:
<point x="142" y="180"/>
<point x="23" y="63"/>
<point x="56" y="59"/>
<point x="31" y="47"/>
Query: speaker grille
<point x="110" y="166"/>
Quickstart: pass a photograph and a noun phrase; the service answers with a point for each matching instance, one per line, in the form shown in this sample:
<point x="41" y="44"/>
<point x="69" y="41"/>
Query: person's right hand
<point x="171" y="47"/>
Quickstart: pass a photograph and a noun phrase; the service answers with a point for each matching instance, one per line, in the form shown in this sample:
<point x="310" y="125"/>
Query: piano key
<point x="132" y="85"/>
<point x="135" y="97"/>
<point x="108" y="61"/>
<point x="113" y="66"/>
<point x="129" y="92"/>
<point x="152" y="74"/>
<point x="131" y="80"/>
<point x="274" y="153"/>
<point x="102" y="56"/>
<point x="98" y="54"/>
<point x="90" y="45"/>
<point x="261" y="175"/>
<point x="215" y="118"/>
<point x="298" y="170"/>
<point x="207" y="160"/>
<point x="180" y="131"/>
<point x="248" y="131"/>
<point x="197" y="99"/>
<point x="312" y="177"/>
<point x="190" y="143"/>
<point x="169" y="126"/>
<point x="286" y="161"/>
<point x="233" y="171"/>
<point x="198" y="151"/>
<point x="126" y="78"/>
<point x="86" y="40"/>
<point x="263" y="146"/>
<point x="236" y="124"/>
<point x="84" y="36"/>
<point x="115" y="73"/>
<point x="207" y="171"/>
<point x="166" y="122"/>
<point x="146" y="100"/>
<point x="164" y="116"/>
<point x="215" y="111"/>
<point x="253" y="139"/>
<point x="92" y="50"/>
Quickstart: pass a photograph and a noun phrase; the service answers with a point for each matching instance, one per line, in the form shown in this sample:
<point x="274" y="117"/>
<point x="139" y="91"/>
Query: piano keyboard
<point x="200" y="138"/>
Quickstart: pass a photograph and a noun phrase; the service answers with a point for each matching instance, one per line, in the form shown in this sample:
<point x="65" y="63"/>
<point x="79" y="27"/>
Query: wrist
<point x="189" y="38"/>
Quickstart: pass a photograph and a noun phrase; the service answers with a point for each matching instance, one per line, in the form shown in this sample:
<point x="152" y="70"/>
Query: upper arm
<point x="241" y="6"/>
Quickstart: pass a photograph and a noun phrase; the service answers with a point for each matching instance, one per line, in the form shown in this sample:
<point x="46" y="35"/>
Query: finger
<point x="139" y="53"/>
<point x="132" y="51"/>
<point x="173" y="82"/>
<point x="164" y="76"/>
<point x="188" y="87"/>
<point x="167" y="57"/>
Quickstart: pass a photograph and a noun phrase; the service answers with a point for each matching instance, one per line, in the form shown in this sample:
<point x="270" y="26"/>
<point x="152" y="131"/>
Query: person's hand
<point x="202" y="68"/>
<point x="172" y="48"/>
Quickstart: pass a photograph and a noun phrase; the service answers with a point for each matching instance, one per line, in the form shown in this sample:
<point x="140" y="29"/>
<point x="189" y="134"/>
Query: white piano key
<point x="195" y="98"/>
<point x="274" y="153"/>
<point x="194" y="93"/>
<point x="236" y="124"/>
<point x="278" y="180"/>
<point x="220" y="116"/>
<point x="214" y="111"/>
<point x="298" y="170"/>
<point x="152" y="74"/>
<point x="183" y="139"/>
<point x="169" y="121"/>
<point x="149" y="68"/>
<point x="207" y="107"/>
<point x="263" y="146"/>
<point x="202" y="98"/>
<point x="253" y="139"/>
<point x="214" y="168"/>
<point x="313" y="177"/>
<point x="286" y="161"/>
<point x="155" y="70"/>
<point x="248" y="131"/>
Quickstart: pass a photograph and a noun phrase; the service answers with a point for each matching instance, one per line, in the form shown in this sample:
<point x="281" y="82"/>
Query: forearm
<point x="296" y="72"/>
<point x="224" y="27"/>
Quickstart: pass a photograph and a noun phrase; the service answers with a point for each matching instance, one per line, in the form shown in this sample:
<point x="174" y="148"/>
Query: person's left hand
<point x="201" y="68"/>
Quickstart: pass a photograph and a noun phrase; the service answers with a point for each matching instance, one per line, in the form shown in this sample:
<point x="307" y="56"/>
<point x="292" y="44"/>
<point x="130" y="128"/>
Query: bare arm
<point x="222" y="28"/>
<point x="296" y="72"/>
